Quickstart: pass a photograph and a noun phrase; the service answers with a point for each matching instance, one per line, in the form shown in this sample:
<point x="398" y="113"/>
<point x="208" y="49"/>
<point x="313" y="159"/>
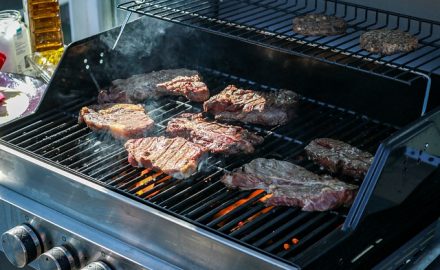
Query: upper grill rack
<point x="269" y="23"/>
<point x="284" y="232"/>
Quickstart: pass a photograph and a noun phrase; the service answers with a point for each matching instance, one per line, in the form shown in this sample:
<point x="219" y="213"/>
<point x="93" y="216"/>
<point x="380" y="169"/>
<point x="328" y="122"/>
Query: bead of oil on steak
<point x="217" y="137"/>
<point x="154" y="85"/>
<point x="291" y="185"/>
<point x="122" y="121"/>
<point x="177" y="157"/>
<point x="249" y="106"/>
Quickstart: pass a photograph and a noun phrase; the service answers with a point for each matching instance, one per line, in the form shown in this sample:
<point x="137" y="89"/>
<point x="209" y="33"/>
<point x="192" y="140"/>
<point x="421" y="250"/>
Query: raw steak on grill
<point x="170" y="82"/>
<point x="123" y="121"/>
<point x="291" y="185"/>
<point x="174" y="156"/>
<point x="339" y="157"/>
<point x="217" y="137"/>
<point x="249" y="106"/>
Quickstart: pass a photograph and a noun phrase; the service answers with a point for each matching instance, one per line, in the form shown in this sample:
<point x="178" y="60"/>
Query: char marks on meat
<point x="217" y="137"/>
<point x="170" y="82"/>
<point x="248" y="106"/>
<point x="174" y="156"/>
<point x="123" y="121"/>
<point x="291" y="185"/>
<point x="339" y="157"/>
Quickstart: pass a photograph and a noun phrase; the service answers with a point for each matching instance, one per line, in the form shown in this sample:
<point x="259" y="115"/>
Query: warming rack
<point x="269" y="23"/>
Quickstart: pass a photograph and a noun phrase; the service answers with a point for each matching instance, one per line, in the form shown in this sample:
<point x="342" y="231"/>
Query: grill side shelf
<point x="404" y="165"/>
<point x="269" y="24"/>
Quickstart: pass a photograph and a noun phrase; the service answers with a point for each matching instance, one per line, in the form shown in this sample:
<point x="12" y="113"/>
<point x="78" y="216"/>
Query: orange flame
<point x="254" y="216"/>
<point x="237" y="203"/>
<point x="286" y="246"/>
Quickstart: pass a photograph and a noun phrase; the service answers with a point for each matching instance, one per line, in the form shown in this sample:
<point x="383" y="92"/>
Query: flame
<point x="254" y="216"/>
<point x="295" y="241"/>
<point x="149" y="179"/>
<point x="237" y="203"/>
<point x="286" y="246"/>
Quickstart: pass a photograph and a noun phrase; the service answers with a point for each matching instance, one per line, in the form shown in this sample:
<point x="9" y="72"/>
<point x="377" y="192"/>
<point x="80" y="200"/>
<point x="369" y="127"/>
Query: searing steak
<point x="249" y="106"/>
<point x="122" y="121"/>
<point x="217" y="137"/>
<point x="170" y="82"/>
<point x="339" y="157"/>
<point x="174" y="156"/>
<point x="291" y="185"/>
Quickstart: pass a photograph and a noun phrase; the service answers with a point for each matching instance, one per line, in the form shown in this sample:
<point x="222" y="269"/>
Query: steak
<point x="170" y="82"/>
<point x="339" y="157"/>
<point x="174" y="156"/>
<point x="249" y="106"/>
<point x="291" y="185"/>
<point x="217" y="137"/>
<point x="388" y="42"/>
<point x="122" y="121"/>
<point x="319" y="25"/>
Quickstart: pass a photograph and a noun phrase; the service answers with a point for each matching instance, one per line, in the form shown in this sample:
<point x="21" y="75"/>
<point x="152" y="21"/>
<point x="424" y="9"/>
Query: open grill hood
<point x="184" y="222"/>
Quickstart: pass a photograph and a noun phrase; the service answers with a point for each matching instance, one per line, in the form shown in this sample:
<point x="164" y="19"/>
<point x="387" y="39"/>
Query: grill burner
<point x="204" y="200"/>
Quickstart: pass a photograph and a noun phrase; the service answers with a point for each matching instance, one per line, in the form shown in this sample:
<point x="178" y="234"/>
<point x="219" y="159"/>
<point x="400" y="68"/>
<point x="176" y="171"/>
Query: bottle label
<point x="22" y="48"/>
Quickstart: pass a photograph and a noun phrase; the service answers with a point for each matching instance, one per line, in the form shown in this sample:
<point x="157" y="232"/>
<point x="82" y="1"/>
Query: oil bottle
<point x="43" y="19"/>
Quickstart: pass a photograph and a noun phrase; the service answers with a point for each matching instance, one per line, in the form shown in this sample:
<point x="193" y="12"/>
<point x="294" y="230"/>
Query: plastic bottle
<point x="14" y="41"/>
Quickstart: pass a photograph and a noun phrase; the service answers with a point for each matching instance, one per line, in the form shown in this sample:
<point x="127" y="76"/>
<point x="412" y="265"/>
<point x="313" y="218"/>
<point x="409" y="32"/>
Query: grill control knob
<point x="97" y="266"/>
<point x="57" y="258"/>
<point x="21" y="245"/>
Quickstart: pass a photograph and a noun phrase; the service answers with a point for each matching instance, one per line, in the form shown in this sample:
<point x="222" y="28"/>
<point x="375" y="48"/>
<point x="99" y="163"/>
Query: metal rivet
<point x="63" y="238"/>
<point x="101" y="54"/>
<point x="85" y="61"/>
<point x="101" y="61"/>
<point x="426" y="145"/>
<point x="87" y="67"/>
<point x="26" y="218"/>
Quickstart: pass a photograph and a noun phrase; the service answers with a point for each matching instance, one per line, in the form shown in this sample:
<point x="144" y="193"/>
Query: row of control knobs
<point x="22" y="245"/>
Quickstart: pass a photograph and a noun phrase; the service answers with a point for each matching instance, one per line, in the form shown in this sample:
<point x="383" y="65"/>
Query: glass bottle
<point x="43" y="19"/>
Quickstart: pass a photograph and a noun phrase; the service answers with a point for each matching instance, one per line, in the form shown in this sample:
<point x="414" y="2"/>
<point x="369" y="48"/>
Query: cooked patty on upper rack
<point x="319" y="25"/>
<point x="388" y="42"/>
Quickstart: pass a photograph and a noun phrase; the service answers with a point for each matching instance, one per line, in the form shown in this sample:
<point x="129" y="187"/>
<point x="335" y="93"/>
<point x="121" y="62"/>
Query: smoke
<point x="138" y="38"/>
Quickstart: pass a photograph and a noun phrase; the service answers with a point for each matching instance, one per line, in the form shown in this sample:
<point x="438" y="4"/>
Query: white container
<point x="14" y="41"/>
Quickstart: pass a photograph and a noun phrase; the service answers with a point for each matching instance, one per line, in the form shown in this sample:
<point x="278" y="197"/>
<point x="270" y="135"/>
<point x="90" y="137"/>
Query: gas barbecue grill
<point x="69" y="194"/>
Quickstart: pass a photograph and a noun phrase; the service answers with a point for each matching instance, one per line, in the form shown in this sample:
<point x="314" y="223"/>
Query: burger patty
<point x="388" y="42"/>
<point x="319" y="25"/>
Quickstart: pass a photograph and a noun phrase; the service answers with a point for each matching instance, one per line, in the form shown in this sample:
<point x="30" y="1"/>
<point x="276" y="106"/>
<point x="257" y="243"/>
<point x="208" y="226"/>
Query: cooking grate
<point x="203" y="200"/>
<point x="269" y="23"/>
